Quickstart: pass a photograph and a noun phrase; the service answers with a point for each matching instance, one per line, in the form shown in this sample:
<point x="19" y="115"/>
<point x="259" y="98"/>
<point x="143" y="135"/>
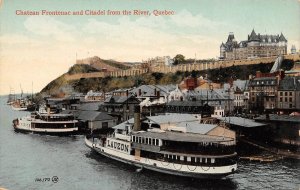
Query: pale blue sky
<point x="40" y="48"/>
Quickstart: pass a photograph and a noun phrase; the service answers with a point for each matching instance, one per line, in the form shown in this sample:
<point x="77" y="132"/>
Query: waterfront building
<point x="285" y="130"/>
<point x="95" y="120"/>
<point x="238" y="92"/>
<point x="255" y="46"/>
<point x="121" y="107"/>
<point x="94" y="96"/>
<point x="263" y="90"/>
<point x="288" y="95"/>
<point x="190" y="107"/>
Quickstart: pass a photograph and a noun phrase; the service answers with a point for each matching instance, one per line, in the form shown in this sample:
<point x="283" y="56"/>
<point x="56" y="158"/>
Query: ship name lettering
<point x="118" y="146"/>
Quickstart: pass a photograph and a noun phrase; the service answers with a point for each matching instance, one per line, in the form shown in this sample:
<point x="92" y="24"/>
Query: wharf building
<point x="256" y="46"/>
<point x="274" y="92"/>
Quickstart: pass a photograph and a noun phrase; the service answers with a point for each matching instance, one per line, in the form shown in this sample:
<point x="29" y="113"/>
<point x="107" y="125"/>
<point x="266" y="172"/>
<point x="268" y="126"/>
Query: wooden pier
<point x="277" y="154"/>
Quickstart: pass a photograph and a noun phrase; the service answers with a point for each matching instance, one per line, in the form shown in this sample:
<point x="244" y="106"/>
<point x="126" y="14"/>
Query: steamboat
<point x="47" y="123"/>
<point x="173" y="144"/>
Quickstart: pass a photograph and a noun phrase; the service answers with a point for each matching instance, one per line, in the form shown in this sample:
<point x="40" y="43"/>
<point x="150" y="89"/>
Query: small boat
<point x="44" y="123"/>
<point x="19" y="105"/>
<point x="168" y="149"/>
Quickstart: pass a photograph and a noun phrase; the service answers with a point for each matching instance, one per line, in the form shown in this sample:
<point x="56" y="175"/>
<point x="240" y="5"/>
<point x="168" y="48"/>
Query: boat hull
<point x="47" y="132"/>
<point x="154" y="165"/>
<point x="19" y="108"/>
<point x="26" y="128"/>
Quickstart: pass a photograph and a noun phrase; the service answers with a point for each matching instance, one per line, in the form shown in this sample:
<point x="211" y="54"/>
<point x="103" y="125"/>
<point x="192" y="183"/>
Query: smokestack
<point x="48" y="110"/>
<point x="140" y="92"/>
<point x="155" y="92"/>
<point x="137" y="119"/>
<point x="158" y="94"/>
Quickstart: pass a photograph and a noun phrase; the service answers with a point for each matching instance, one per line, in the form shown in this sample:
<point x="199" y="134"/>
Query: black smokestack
<point x="137" y="119"/>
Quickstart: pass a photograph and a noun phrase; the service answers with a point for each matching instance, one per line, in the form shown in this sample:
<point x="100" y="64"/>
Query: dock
<point x="262" y="158"/>
<point x="280" y="153"/>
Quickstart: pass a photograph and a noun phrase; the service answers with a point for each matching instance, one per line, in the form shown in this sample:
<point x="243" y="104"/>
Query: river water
<point x="31" y="161"/>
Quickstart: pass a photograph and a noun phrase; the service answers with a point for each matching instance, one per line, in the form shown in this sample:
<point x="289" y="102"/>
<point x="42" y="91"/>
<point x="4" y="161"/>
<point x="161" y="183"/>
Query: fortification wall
<point x="182" y="68"/>
<point x="120" y="73"/>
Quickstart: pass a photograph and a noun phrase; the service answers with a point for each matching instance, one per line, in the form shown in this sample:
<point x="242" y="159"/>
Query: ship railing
<point x="122" y="137"/>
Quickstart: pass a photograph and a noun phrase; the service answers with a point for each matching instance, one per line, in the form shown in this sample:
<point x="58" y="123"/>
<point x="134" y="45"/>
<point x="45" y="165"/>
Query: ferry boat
<point x="45" y="123"/>
<point x="170" y="148"/>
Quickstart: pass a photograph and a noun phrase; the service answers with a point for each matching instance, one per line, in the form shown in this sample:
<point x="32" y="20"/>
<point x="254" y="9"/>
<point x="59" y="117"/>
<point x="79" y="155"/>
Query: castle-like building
<point x="257" y="45"/>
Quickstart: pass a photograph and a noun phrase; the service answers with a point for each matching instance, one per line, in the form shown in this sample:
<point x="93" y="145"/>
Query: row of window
<point x="286" y="99"/>
<point x="286" y="93"/>
<point x="145" y="140"/>
<point x="189" y="159"/>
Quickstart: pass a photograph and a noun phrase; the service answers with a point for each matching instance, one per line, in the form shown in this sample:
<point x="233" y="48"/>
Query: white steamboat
<point x="47" y="123"/>
<point x="168" y="148"/>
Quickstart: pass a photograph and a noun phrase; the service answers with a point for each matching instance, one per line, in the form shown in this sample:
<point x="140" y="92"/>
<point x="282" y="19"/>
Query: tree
<point x="179" y="59"/>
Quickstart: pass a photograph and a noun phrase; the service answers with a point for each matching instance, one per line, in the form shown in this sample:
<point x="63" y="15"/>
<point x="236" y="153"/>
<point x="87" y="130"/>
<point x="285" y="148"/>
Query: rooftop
<point x="93" y="116"/>
<point x="171" y="118"/>
<point x="241" y="122"/>
<point x="283" y="118"/>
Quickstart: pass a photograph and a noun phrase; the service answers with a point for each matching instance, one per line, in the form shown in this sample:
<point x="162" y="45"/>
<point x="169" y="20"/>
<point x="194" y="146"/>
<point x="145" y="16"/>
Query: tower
<point x="293" y="49"/>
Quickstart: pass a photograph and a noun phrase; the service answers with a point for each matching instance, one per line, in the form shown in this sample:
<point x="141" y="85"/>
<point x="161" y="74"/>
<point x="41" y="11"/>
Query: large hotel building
<point x="257" y="45"/>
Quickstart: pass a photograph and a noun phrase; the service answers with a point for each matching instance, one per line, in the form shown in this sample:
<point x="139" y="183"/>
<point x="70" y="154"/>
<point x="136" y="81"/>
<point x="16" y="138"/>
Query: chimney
<point x="137" y="119"/>
<point x="140" y="92"/>
<point x="154" y="91"/>
<point x="258" y="74"/>
<point x="158" y="94"/>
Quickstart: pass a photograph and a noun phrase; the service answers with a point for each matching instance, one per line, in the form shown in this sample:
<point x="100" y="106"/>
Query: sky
<point x="34" y="50"/>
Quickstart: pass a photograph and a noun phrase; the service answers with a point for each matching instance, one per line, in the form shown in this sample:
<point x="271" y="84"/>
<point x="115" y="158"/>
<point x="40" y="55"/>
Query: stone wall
<point x="182" y="68"/>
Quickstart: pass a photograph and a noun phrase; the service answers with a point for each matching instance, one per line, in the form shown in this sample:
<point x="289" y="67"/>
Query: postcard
<point x="149" y="94"/>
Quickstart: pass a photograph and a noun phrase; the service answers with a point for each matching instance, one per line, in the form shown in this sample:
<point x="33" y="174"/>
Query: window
<point x="285" y="93"/>
<point x="290" y="99"/>
<point x="192" y="159"/>
<point x="291" y="93"/>
<point x="291" y="105"/>
<point x="212" y="160"/>
<point x="208" y="160"/>
<point x="280" y="99"/>
<point x="285" y="99"/>
<point x="156" y="142"/>
<point x="104" y="125"/>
